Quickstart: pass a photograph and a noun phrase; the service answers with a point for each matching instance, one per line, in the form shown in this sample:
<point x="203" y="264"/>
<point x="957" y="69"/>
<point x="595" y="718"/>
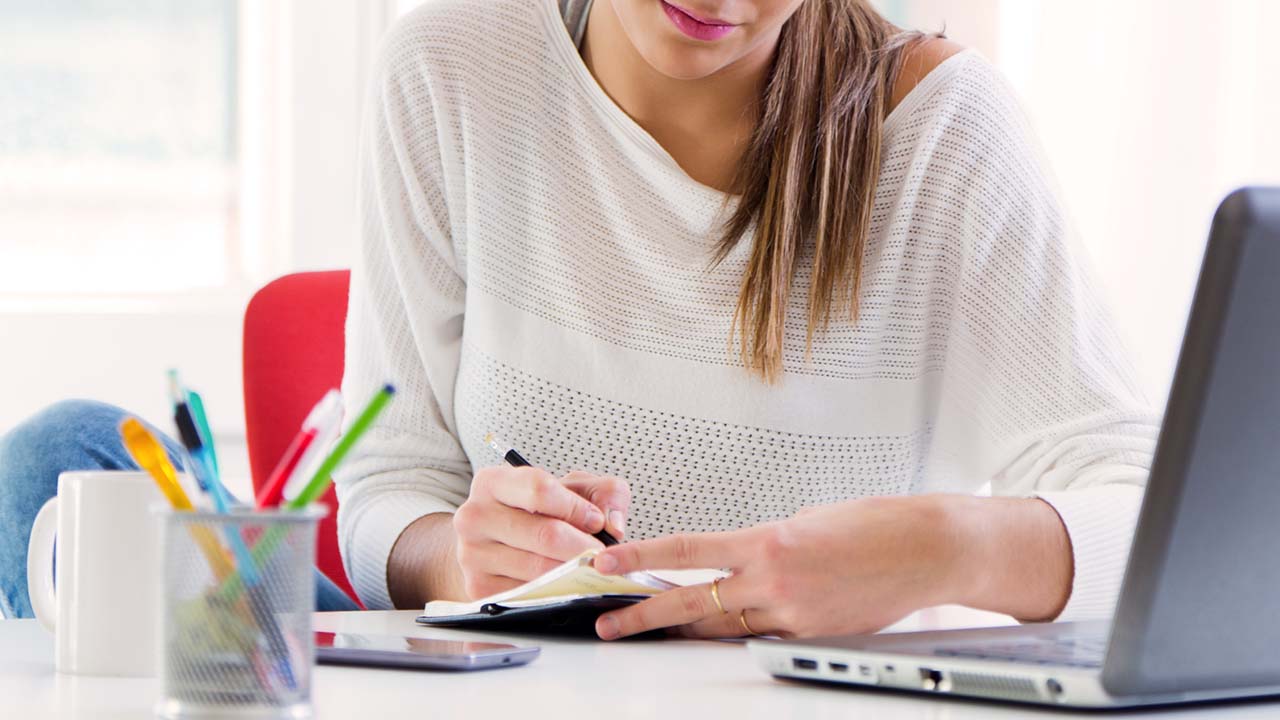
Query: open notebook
<point x="567" y="599"/>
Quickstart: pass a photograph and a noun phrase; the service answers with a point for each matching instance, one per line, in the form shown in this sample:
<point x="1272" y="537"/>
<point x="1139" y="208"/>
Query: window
<point x="159" y="161"/>
<point x="118" y="147"/>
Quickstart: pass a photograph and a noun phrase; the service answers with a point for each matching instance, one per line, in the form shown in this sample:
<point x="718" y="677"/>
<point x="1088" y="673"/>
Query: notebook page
<point x="575" y="578"/>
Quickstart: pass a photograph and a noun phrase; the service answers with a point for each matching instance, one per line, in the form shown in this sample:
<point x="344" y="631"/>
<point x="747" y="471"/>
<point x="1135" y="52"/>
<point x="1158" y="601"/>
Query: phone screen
<point x="410" y="652"/>
<point x="420" y="646"/>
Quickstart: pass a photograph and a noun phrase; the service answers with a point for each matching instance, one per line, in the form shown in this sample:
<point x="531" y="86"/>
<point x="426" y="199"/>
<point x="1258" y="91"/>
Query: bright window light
<point x="117" y="146"/>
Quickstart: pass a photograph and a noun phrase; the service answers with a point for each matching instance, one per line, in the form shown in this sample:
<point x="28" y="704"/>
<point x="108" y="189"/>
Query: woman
<point x="765" y="284"/>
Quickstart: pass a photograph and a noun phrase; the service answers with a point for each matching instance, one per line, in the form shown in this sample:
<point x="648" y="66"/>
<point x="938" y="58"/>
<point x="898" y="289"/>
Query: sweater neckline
<point x="571" y="56"/>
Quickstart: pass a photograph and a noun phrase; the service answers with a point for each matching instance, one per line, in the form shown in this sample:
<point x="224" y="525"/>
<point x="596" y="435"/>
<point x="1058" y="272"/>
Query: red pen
<point x="327" y="413"/>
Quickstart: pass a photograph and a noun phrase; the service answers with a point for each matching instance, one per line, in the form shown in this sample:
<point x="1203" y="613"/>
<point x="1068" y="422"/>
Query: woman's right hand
<point x="520" y="522"/>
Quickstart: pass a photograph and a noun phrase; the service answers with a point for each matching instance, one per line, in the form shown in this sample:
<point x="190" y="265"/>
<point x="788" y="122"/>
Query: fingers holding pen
<point x="515" y="528"/>
<point x="520" y="522"/>
<point x="610" y="494"/>
<point x="534" y="490"/>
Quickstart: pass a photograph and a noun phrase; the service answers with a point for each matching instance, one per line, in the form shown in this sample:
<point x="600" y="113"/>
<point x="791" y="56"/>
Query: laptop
<point x="1198" y="616"/>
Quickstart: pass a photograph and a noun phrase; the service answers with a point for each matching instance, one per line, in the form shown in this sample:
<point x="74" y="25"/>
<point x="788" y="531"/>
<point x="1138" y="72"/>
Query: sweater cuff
<point x="1100" y="522"/>
<point x="376" y="531"/>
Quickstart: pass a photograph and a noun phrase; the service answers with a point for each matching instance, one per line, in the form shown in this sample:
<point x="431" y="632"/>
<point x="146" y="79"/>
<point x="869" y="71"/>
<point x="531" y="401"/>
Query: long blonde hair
<point x="810" y="170"/>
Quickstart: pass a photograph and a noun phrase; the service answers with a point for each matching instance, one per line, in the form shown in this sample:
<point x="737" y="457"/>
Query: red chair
<point x="293" y="353"/>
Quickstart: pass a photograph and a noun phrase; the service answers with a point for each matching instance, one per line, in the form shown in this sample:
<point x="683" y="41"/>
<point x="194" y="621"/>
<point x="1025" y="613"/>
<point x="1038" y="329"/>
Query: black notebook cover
<point x="576" y="616"/>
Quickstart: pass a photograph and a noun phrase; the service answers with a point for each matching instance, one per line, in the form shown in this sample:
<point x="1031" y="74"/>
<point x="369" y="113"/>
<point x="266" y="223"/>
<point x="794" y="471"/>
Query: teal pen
<point x="202" y="465"/>
<point x="205" y="470"/>
<point x="196" y="403"/>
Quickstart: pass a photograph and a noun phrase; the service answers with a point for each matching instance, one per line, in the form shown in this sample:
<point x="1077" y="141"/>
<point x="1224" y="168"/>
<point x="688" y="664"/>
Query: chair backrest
<point x="293" y="353"/>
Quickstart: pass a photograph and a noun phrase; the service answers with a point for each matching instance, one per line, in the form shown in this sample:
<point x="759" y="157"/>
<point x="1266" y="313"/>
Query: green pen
<point x="315" y="487"/>
<point x="320" y="480"/>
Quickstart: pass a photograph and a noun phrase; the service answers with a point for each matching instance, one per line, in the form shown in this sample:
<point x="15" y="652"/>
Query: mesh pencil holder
<point x="238" y="597"/>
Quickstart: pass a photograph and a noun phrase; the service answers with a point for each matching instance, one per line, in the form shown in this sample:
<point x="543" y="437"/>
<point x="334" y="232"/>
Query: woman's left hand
<point x="849" y="568"/>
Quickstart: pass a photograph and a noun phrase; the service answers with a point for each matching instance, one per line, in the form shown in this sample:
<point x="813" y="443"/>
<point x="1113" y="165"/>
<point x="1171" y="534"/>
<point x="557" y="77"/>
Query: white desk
<point x="572" y="679"/>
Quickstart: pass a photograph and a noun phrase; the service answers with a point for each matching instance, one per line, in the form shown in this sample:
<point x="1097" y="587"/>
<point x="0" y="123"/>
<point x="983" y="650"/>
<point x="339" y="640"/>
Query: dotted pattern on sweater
<point x="514" y="218"/>
<point x="685" y="472"/>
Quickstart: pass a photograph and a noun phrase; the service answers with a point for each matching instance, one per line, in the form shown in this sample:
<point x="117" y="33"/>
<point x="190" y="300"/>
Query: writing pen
<point x="319" y="427"/>
<point x="515" y="459"/>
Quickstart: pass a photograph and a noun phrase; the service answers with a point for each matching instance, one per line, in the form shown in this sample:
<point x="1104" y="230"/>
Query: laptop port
<point x="931" y="679"/>
<point x="838" y="667"/>
<point x="804" y="664"/>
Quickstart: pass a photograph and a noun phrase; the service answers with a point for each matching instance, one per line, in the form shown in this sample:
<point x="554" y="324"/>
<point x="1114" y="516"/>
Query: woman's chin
<point x="680" y="61"/>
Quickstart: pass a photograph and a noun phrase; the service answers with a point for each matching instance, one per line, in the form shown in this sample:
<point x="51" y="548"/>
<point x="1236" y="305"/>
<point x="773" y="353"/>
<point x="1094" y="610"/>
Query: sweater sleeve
<point x="1037" y="396"/>
<point x="404" y="326"/>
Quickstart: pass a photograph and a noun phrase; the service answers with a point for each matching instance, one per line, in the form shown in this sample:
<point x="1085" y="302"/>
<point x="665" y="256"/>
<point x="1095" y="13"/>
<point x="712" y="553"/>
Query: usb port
<point x="838" y="667"/>
<point x="931" y="679"/>
<point x="804" y="664"/>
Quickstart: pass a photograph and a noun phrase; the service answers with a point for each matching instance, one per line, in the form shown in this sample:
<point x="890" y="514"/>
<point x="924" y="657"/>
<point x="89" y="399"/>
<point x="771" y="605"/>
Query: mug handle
<point x="40" y="564"/>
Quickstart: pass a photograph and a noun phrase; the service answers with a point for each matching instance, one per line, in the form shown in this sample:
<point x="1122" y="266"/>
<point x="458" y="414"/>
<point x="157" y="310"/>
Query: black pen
<point x="515" y="459"/>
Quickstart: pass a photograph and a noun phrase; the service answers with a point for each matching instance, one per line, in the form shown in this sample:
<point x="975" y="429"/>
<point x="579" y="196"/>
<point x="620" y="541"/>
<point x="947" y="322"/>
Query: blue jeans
<point x="71" y="435"/>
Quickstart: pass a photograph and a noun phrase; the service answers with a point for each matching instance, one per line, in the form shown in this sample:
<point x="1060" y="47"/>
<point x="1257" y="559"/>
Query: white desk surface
<point x="677" y="679"/>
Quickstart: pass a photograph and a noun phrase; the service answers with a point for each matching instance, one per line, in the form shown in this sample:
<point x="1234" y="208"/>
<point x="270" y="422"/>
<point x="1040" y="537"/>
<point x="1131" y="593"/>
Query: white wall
<point x="119" y="358"/>
<point x="332" y="51"/>
<point x="1150" y="112"/>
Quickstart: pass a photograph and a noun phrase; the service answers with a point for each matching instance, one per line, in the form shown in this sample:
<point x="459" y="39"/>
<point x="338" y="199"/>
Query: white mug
<point x="105" y="610"/>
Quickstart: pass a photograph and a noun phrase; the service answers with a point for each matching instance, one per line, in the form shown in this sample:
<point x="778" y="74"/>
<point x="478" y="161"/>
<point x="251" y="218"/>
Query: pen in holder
<point x="242" y="654"/>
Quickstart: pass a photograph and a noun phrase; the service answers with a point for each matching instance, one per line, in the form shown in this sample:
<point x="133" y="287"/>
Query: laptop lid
<point x="1200" y="606"/>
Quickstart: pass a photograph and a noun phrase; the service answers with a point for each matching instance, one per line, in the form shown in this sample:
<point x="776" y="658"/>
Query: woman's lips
<point x="698" y="28"/>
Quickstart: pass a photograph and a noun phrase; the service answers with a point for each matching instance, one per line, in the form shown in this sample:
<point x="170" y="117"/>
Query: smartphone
<point x="417" y="653"/>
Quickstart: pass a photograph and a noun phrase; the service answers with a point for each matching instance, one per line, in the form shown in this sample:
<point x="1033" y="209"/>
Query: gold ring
<point x="742" y="618"/>
<point x="715" y="594"/>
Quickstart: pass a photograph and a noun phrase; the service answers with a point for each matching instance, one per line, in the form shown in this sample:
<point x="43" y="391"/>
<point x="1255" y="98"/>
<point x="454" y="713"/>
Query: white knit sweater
<point x="534" y="264"/>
